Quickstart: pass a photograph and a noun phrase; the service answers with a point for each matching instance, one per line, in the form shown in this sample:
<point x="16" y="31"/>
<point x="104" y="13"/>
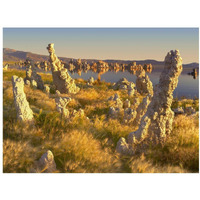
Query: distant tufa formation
<point x="32" y="76"/>
<point x="124" y="84"/>
<point x="156" y="124"/>
<point x="143" y="83"/>
<point x="132" y="113"/>
<point x="24" y="112"/>
<point x="61" y="78"/>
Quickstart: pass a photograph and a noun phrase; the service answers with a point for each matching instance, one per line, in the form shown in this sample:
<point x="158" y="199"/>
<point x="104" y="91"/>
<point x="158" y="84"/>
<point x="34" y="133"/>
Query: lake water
<point x="187" y="86"/>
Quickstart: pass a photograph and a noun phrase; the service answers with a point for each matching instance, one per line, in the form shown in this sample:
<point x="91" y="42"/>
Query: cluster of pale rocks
<point x="153" y="114"/>
<point x="188" y="110"/>
<point x="64" y="85"/>
<point x="156" y="123"/>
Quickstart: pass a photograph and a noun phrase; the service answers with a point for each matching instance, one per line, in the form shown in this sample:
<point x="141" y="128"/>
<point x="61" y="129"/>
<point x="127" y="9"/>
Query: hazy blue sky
<point x="106" y="43"/>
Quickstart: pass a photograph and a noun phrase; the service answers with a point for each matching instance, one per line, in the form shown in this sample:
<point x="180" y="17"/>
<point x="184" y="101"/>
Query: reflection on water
<point x="188" y="85"/>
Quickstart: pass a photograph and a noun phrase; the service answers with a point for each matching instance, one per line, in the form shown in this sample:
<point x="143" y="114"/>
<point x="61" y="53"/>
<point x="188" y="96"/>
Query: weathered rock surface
<point x="24" y="112"/>
<point x="90" y="81"/>
<point x="179" y="110"/>
<point x="121" y="84"/>
<point x="34" y="84"/>
<point x="57" y="92"/>
<point x="127" y="103"/>
<point x="46" y="164"/>
<point x="5" y="67"/>
<point x="143" y="84"/>
<point x="61" y="103"/>
<point x="190" y="110"/>
<point x="79" y="113"/>
<point x="117" y="106"/>
<point x="129" y="115"/>
<point x="131" y="89"/>
<point x="27" y="82"/>
<point x="142" y="108"/>
<point x="46" y="89"/>
<point x="123" y="147"/>
<point x="32" y="75"/>
<point x="156" y="124"/>
<point x="61" y="78"/>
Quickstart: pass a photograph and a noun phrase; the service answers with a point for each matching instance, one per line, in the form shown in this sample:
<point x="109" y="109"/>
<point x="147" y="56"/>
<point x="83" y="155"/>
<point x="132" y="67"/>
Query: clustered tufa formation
<point x="156" y="124"/>
<point x="61" y="78"/>
<point x="32" y="76"/>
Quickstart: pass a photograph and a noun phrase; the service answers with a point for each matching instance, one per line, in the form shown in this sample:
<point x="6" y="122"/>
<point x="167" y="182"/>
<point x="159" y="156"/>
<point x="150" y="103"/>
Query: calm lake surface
<point x="187" y="86"/>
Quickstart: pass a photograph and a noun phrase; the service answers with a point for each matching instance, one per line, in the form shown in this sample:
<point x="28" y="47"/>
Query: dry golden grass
<point x="82" y="145"/>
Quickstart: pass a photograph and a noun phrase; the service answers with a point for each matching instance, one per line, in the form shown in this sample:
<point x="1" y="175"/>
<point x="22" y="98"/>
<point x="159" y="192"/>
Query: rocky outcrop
<point x="121" y="84"/>
<point x="34" y="84"/>
<point x="24" y="112"/>
<point x="45" y="164"/>
<point x="143" y="84"/>
<point x="124" y="84"/>
<point x="79" y="113"/>
<point x="116" y="106"/>
<point x="179" y="110"/>
<point x="61" y="103"/>
<point x="190" y="110"/>
<point x="129" y="115"/>
<point x="90" y="81"/>
<point x="131" y="89"/>
<point x="156" y="124"/>
<point x="127" y="103"/>
<point x="5" y="67"/>
<point x="44" y="66"/>
<point x="61" y="78"/>
<point x="123" y="147"/>
<point x="32" y="75"/>
<point x="27" y="82"/>
<point x="142" y="108"/>
<point x="46" y="89"/>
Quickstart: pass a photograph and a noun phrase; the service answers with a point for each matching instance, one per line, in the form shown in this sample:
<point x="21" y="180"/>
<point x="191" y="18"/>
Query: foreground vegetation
<point x="88" y="145"/>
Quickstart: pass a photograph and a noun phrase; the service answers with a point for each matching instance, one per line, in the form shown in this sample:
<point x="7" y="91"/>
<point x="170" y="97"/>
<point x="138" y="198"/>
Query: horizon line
<point x="95" y="58"/>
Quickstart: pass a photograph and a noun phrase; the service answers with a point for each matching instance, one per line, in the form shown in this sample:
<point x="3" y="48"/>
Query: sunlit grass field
<point x="82" y="145"/>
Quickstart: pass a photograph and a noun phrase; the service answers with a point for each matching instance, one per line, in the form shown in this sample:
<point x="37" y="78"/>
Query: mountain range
<point x="15" y="56"/>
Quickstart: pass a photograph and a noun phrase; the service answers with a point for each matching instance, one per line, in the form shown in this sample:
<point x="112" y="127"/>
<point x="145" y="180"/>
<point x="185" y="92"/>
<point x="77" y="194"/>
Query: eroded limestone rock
<point x="57" y="92"/>
<point x="129" y="115"/>
<point x="143" y="84"/>
<point x="32" y="75"/>
<point x="27" y="82"/>
<point x="61" y="78"/>
<point x="46" y="164"/>
<point x="79" y="113"/>
<point x="90" y="81"/>
<point x="46" y="89"/>
<point x="116" y="106"/>
<point x="121" y="84"/>
<point x="123" y="147"/>
<point x="190" y="110"/>
<point x="131" y="89"/>
<point x="61" y="103"/>
<point x="142" y="108"/>
<point x="24" y="112"/>
<point x="179" y="110"/>
<point x="5" y="67"/>
<point x="34" y="84"/>
<point x="127" y="103"/>
<point x="157" y="121"/>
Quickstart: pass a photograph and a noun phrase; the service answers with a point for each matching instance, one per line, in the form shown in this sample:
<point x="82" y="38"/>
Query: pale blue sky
<point x="106" y="43"/>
